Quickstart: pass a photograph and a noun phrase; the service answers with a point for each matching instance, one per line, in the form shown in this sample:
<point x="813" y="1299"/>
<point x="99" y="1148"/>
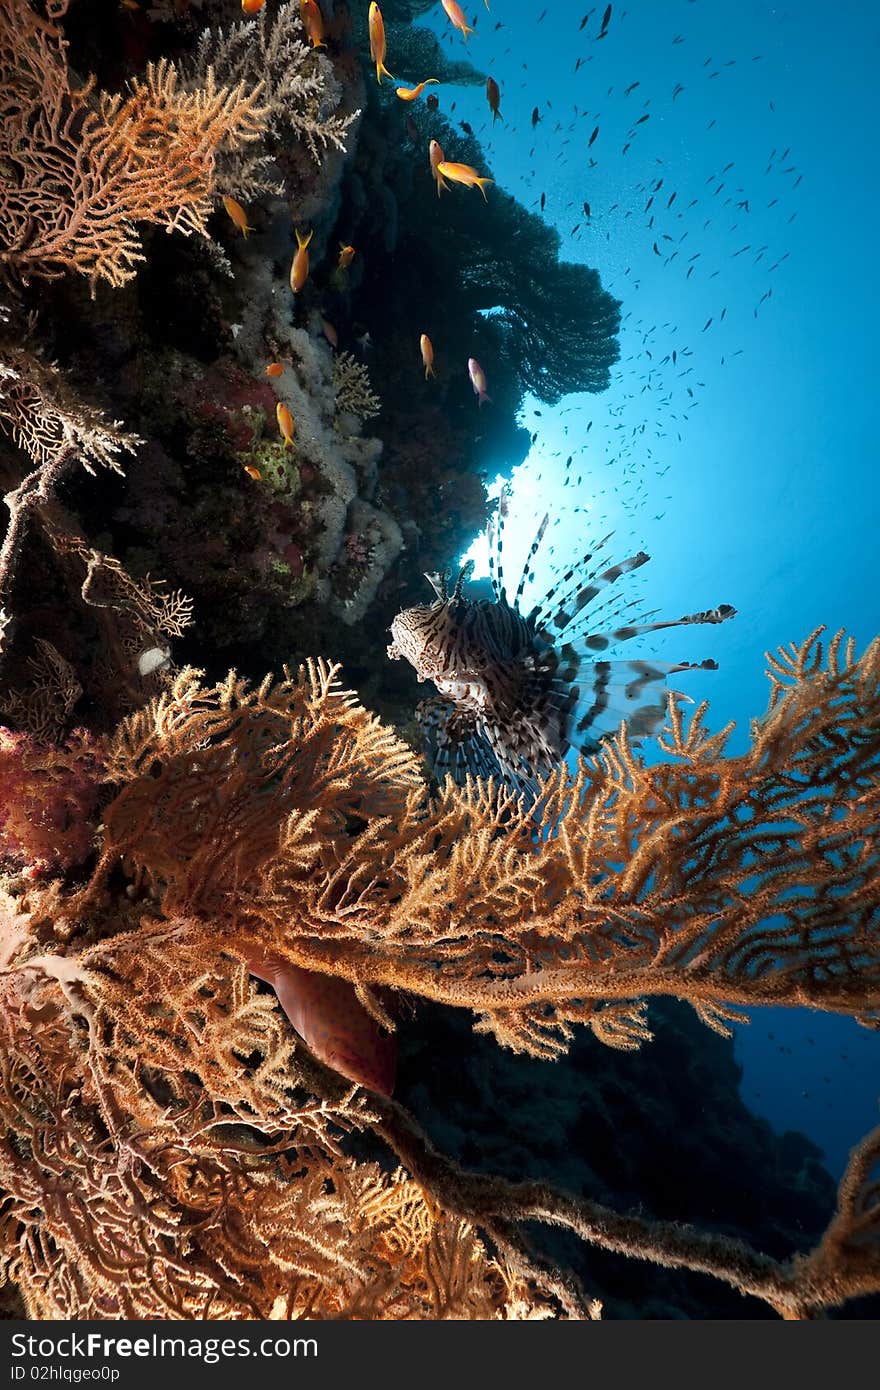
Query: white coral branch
<point x="298" y="88"/>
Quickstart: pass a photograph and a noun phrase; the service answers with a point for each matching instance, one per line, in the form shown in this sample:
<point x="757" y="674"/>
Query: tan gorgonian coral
<point x="54" y="429"/>
<point x="44" y="706"/>
<point x="79" y="170"/>
<point x="162" y="1157"/>
<point x="156" y="1164"/>
<point x="45" y="419"/>
<point x="291" y="815"/>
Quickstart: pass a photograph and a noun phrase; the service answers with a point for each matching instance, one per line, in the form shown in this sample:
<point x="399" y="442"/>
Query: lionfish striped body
<point x="518" y="691"/>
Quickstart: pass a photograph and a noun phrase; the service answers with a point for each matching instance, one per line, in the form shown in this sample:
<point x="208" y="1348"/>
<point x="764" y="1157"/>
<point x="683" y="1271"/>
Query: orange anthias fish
<point x="238" y="215"/>
<point x="410" y="93"/>
<point x="275" y="369"/>
<point x="299" y="270"/>
<point x="330" y="333"/>
<point x="313" y="22"/>
<point x="377" y="41"/>
<point x="427" y="349"/>
<point x="329" y="1018"/>
<point x="493" y="96"/>
<point x="252" y="6"/>
<point x="478" y="380"/>
<point x="285" y="423"/>
<point x="252" y="471"/>
<point x="463" y="173"/>
<point x="436" y="157"/>
<point x="456" y="15"/>
<point x="346" y="256"/>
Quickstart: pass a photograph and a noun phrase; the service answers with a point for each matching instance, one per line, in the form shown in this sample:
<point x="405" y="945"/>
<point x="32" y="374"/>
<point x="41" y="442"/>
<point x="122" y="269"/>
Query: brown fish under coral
<point x="146" y="1085"/>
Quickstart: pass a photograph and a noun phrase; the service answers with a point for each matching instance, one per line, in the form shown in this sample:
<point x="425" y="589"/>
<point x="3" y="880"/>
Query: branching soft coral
<point x="290" y="816"/>
<point x="81" y="171"/>
<point x="155" y="1161"/>
<point x="48" y="799"/>
<point x="162" y="1159"/>
<point x="298" y="90"/>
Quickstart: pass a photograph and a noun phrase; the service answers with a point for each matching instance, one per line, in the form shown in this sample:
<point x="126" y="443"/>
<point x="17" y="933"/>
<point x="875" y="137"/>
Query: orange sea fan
<point x="80" y="170"/>
<point x="290" y="817"/>
<point x="161" y="1158"/>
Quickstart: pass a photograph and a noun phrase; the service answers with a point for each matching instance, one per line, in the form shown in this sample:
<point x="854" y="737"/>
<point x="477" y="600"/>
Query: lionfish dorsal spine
<point x="568" y="582"/>
<point x="496" y="547"/>
<point x="527" y="571"/>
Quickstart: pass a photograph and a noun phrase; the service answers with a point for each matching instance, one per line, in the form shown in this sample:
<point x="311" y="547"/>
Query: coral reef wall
<point x="238" y="923"/>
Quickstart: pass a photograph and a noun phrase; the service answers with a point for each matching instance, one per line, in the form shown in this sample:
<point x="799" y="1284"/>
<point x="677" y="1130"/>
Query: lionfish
<point x="518" y="691"/>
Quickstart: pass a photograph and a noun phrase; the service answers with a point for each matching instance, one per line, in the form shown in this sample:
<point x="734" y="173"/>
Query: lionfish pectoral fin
<point x="611" y="692"/>
<point x="455" y="746"/>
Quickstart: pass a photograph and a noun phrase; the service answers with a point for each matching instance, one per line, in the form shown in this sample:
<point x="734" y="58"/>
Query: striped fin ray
<point x="454" y="744"/>
<point x="539" y="613"/>
<point x="613" y="609"/>
<point x="496" y="547"/>
<point x="527" y="567"/>
<point x="601" y="641"/>
<point x="567" y="610"/>
<point x="613" y="691"/>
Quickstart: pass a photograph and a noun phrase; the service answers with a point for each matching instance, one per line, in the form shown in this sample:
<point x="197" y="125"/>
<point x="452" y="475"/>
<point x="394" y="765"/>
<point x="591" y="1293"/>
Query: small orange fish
<point x="478" y="380"/>
<point x="330" y="1019"/>
<point x="285" y="423"/>
<point x="410" y="93"/>
<point x="377" y="41"/>
<point x="456" y="15"/>
<point x="299" y="269"/>
<point x="313" y="22"/>
<point x="275" y="369"/>
<point x="238" y="215"/>
<point x="346" y="256"/>
<point x="463" y="173"/>
<point x="252" y="471"/>
<point x="436" y="158"/>
<point x="427" y="349"/>
<point x="493" y="96"/>
<point x="252" y="6"/>
<point x="330" y="333"/>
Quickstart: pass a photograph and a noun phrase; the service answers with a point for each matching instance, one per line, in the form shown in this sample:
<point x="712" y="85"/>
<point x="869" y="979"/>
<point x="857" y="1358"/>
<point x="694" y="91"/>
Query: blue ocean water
<point x="736" y="442"/>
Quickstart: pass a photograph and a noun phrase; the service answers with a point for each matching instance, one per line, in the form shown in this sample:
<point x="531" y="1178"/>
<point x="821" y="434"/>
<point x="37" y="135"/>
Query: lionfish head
<point x="419" y="636"/>
<point x="425" y="634"/>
